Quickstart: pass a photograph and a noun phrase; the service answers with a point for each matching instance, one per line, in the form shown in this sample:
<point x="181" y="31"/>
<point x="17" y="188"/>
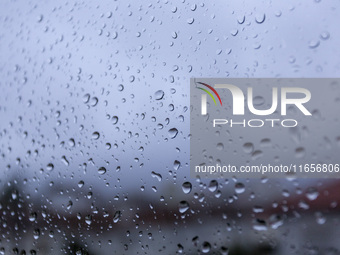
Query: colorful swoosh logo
<point x="209" y="93"/>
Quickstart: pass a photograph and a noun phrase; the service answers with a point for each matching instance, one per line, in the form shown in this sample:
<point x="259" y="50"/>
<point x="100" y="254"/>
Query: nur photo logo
<point x="278" y="100"/>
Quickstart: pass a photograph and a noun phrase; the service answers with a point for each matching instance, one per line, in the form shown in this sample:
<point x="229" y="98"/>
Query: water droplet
<point x="69" y="205"/>
<point x="50" y="167"/>
<point x="186" y="187"/>
<point x="278" y="13"/>
<point x="94" y="101"/>
<point x="266" y="142"/>
<point x="156" y="175"/>
<point x="108" y="146"/>
<point x="115" y="120"/>
<point x="260" y="18"/>
<point x="86" y="98"/>
<point x="241" y="19"/>
<point x="224" y="250"/>
<point x="234" y="32"/>
<point x="258" y="209"/>
<point x="320" y="218"/>
<point x="312" y="194"/>
<point x="102" y="170"/>
<point x="36" y="234"/>
<point x="183" y="206"/>
<point x="65" y="161"/>
<point x="303" y="205"/>
<point x="40" y="18"/>
<point x="174" y="35"/>
<point x="88" y="219"/>
<point x="260" y="225"/>
<point x="171" y="107"/>
<point x="159" y="94"/>
<point x="177" y="164"/>
<point x="108" y="15"/>
<point x="120" y="87"/>
<point x="248" y="147"/>
<point x="89" y="195"/>
<point x="256" y="46"/>
<point x="14" y="194"/>
<point x="190" y="21"/>
<point x="213" y="185"/>
<point x="220" y="146"/>
<point x="71" y="142"/>
<point x="239" y="188"/>
<point x="172" y="133"/>
<point x="193" y="7"/>
<point x="300" y="152"/>
<point x="95" y="135"/>
<point x="33" y="216"/>
<point x="275" y="221"/>
<point x="116" y="216"/>
<point x="324" y="35"/>
<point x="206" y="247"/>
<point x="180" y="248"/>
<point x="258" y="100"/>
<point x="256" y="155"/>
<point x="80" y="184"/>
<point x="314" y="44"/>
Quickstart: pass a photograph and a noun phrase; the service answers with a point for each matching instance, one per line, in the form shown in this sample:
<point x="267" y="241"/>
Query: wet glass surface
<point x="94" y="130"/>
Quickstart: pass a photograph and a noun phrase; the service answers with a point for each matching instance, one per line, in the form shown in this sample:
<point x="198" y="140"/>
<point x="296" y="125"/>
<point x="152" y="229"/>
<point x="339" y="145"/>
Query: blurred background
<point x="94" y="127"/>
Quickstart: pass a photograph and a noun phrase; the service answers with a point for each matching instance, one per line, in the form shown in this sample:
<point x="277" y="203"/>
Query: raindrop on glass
<point x="260" y="18"/>
<point x="186" y="187"/>
<point x="183" y="206"/>
<point x="102" y="170"/>
<point x="159" y="94"/>
<point x="172" y="133"/>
